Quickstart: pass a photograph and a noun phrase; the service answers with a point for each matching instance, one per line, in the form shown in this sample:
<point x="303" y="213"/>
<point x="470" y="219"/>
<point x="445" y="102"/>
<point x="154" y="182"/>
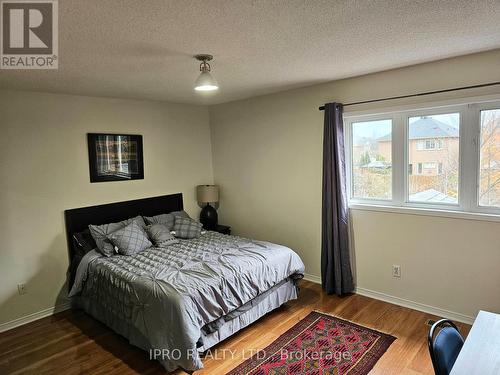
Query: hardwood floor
<point x="72" y="342"/>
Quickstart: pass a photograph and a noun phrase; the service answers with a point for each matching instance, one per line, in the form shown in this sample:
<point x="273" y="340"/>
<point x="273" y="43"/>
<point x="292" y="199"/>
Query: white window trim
<point x="425" y="212"/>
<point x="476" y="110"/>
<point x="468" y="203"/>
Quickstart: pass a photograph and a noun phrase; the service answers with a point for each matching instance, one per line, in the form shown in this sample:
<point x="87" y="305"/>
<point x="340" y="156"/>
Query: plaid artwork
<point x="186" y="228"/>
<point x="116" y="155"/>
<point x="130" y="240"/>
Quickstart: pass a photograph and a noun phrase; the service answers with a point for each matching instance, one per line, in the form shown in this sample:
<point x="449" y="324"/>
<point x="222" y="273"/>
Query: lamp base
<point x="209" y="217"/>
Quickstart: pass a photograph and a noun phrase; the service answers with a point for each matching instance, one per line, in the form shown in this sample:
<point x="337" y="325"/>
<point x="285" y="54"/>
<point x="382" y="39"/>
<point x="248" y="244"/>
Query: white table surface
<point x="481" y="351"/>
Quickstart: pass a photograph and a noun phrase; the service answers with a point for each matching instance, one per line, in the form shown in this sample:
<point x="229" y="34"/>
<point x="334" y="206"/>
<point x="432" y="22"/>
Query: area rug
<point x="319" y="344"/>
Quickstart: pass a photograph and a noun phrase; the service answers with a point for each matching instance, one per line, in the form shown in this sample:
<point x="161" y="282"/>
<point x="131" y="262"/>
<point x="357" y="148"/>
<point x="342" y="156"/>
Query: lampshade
<point x="207" y="193"/>
<point x="206" y="82"/>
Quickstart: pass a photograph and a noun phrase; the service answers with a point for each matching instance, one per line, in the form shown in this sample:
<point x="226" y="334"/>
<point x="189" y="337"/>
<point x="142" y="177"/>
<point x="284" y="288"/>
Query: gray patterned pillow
<point x="186" y="228"/>
<point x="100" y="234"/>
<point x="181" y="214"/>
<point x="166" y="219"/>
<point x="160" y="235"/>
<point x="130" y="240"/>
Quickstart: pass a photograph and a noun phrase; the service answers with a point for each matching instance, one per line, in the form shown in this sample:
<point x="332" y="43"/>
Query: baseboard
<point x="35" y="316"/>
<point x="416" y="306"/>
<point x="312" y="278"/>
<point x="404" y="302"/>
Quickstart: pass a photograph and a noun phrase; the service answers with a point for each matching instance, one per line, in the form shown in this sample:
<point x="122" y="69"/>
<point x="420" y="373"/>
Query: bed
<point x="180" y="300"/>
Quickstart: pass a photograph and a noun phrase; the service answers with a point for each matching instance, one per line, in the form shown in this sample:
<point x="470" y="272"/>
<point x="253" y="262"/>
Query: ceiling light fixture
<point x="205" y="81"/>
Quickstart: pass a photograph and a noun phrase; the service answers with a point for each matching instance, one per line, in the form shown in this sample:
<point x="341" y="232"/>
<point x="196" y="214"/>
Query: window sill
<point x="425" y="212"/>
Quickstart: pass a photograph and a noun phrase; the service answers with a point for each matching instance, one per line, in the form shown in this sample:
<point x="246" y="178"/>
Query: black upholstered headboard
<point x="78" y="219"/>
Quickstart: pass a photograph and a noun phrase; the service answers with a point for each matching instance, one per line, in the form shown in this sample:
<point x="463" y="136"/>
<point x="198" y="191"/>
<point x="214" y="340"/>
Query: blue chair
<point x="444" y="349"/>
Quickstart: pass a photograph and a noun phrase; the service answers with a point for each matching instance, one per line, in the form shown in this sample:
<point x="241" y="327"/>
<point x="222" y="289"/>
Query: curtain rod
<point x="419" y="94"/>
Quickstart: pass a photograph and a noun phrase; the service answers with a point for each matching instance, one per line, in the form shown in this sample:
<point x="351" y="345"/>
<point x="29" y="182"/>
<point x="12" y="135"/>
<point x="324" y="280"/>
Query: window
<point x="430" y="166"/>
<point x="420" y="168"/>
<point x="489" y="171"/>
<point x="441" y="133"/>
<point x="426" y="158"/>
<point x="372" y="159"/>
<point x="428" y="144"/>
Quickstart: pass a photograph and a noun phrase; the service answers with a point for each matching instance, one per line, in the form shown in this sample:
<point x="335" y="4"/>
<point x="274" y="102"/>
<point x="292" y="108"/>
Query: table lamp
<point x="207" y="194"/>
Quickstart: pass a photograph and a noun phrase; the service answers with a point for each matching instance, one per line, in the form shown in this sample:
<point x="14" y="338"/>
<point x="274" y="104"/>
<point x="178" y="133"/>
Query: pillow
<point x="181" y="214"/>
<point x="130" y="240"/>
<point x="83" y="242"/>
<point x="186" y="228"/>
<point x="160" y="235"/>
<point x="100" y="234"/>
<point x="166" y="219"/>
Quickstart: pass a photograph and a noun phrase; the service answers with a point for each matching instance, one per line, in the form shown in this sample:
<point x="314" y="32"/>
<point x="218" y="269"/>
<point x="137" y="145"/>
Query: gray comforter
<point x="161" y="298"/>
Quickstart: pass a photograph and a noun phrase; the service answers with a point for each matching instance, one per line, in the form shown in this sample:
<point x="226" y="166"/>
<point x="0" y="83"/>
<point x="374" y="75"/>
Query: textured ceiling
<point x="143" y="48"/>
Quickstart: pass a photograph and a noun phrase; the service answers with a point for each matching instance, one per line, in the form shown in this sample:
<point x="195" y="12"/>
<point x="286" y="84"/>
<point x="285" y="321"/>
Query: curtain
<point x="336" y="273"/>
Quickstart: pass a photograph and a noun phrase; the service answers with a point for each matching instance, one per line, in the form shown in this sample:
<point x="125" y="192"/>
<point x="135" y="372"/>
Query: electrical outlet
<point x="21" y="288"/>
<point x="396" y="270"/>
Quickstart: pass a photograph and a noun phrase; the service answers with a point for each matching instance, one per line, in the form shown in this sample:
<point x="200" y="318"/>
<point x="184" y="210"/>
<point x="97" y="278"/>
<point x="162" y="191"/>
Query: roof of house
<point x="432" y="195"/>
<point x="427" y="127"/>
<point x="377" y="164"/>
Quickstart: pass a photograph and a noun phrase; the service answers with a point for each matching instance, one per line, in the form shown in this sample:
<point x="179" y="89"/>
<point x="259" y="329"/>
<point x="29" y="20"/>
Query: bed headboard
<point x="78" y="219"/>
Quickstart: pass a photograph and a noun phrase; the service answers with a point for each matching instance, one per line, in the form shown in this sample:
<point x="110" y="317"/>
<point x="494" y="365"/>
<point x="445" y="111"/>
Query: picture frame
<point x="115" y="157"/>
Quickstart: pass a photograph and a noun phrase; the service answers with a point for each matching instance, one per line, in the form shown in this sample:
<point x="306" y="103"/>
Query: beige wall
<point x="44" y="170"/>
<point x="267" y="159"/>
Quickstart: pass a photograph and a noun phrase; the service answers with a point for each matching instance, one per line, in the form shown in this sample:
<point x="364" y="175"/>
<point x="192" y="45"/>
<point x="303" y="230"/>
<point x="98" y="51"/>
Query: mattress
<point x="188" y="296"/>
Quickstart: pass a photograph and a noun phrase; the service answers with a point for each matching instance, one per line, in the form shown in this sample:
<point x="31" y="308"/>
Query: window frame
<point x="476" y="112"/>
<point x="469" y="110"/>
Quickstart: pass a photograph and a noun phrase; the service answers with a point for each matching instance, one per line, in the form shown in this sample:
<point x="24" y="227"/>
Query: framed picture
<point x="115" y="157"/>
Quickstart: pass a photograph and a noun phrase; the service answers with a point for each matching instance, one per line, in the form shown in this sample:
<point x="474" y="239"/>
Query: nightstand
<point x="224" y="229"/>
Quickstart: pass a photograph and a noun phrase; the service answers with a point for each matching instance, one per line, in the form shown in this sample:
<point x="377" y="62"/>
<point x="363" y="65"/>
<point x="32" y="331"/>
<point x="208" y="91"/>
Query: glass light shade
<point x="206" y="82"/>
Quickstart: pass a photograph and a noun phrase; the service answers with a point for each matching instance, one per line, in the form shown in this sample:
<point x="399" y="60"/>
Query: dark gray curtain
<point x="336" y="273"/>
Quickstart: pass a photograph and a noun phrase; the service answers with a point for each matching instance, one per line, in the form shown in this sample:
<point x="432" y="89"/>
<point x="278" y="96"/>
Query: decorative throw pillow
<point x="181" y="214"/>
<point x="166" y="219"/>
<point x="186" y="228"/>
<point x="130" y="240"/>
<point x="160" y="235"/>
<point x="83" y="242"/>
<point x="100" y="234"/>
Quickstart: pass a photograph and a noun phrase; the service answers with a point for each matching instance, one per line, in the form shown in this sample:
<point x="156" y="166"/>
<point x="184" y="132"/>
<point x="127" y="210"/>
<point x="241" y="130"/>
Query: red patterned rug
<point x="319" y="344"/>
